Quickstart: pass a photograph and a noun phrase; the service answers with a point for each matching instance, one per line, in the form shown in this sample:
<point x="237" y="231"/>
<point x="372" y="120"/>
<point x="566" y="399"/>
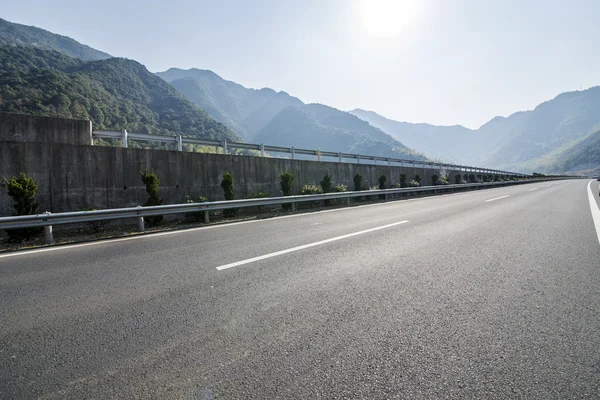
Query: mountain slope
<point x="114" y="93"/>
<point x="309" y="128"/>
<point x="244" y="110"/>
<point x="580" y="155"/>
<point x="566" y="118"/>
<point x="277" y="118"/>
<point x="449" y="143"/>
<point x="30" y="36"/>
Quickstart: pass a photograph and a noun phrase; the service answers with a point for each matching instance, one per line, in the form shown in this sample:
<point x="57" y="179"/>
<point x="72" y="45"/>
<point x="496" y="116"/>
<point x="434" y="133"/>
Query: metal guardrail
<point x="179" y="140"/>
<point x="47" y="220"/>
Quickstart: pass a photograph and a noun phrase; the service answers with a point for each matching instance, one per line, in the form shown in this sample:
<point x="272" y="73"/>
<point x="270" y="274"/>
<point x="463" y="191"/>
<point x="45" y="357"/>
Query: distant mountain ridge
<point x="22" y="35"/>
<point x="280" y="119"/>
<point x="512" y="143"/>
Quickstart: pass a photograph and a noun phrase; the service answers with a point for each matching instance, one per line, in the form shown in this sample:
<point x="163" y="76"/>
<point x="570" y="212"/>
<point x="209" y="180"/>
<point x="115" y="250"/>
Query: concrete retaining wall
<point x="73" y="175"/>
<point x="76" y="177"/>
<point x="29" y="128"/>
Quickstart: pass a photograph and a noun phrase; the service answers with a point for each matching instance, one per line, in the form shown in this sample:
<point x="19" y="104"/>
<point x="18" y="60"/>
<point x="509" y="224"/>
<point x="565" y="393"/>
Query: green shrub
<point x="402" y="180"/>
<point x="326" y="186"/>
<point x="479" y="178"/>
<point x="443" y="180"/>
<point x="358" y="182"/>
<point x="311" y="189"/>
<point x="340" y="187"/>
<point x="496" y="178"/>
<point x="152" y="182"/>
<point x="195" y="216"/>
<point x="287" y="185"/>
<point x="417" y="178"/>
<point x="472" y="178"/>
<point x="434" y="179"/>
<point x="414" y="183"/>
<point x="229" y="192"/>
<point x="258" y="195"/>
<point x="22" y="190"/>
<point x="458" y="179"/>
<point x="326" y="183"/>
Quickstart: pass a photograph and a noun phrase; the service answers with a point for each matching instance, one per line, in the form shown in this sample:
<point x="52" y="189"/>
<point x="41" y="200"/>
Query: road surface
<point x="486" y="294"/>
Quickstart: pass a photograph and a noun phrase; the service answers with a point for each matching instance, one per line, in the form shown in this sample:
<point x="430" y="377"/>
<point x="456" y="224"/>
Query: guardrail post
<point x="124" y="138"/>
<point x="374" y="160"/>
<point x="48" y="232"/>
<point x="389" y="162"/>
<point x="179" y="143"/>
<point x="293" y="206"/>
<point x="206" y="217"/>
<point x="293" y="151"/>
<point x="347" y="200"/>
<point x="141" y="226"/>
<point x="224" y="145"/>
<point x="318" y="156"/>
<point x="262" y="150"/>
<point x="358" y="158"/>
<point x="340" y="157"/>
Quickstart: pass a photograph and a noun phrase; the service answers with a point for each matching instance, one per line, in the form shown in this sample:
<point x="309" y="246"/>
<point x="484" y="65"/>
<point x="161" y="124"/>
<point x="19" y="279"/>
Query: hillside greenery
<point x="22" y="35"/>
<point x="115" y="94"/>
<point x="582" y="155"/>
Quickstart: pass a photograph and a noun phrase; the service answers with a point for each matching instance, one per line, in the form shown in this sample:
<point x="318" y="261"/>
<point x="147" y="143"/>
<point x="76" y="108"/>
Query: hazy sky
<point x="437" y="61"/>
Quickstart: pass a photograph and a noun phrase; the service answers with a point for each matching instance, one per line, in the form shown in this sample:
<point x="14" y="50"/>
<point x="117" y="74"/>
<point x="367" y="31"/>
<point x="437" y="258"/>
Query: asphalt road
<point x="486" y="294"/>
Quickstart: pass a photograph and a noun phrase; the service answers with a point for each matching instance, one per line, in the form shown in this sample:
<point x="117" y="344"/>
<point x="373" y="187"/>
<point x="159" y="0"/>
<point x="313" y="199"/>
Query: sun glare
<point x="386" y="18"/>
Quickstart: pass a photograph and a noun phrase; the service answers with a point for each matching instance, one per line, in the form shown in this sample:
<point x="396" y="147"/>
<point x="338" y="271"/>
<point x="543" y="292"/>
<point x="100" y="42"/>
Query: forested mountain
<point x="318" y="127"/>
<point x="114" y="93"/>
<point x="244" y="110"/>
<point x="525" y="141"/>
<point x="578" y="156"/>
<point x="550" y="126"/>
<point x="277" y="118"/>
<point x="23" y="35"/>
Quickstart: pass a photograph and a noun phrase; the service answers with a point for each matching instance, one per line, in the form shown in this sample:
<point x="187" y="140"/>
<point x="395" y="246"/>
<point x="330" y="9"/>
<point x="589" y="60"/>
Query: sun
<point x="386" y="18"/>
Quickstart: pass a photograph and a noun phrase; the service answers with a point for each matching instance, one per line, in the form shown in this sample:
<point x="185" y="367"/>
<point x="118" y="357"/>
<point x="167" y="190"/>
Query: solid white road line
<point x="595" y="210"/>
<point x="531" y="190"/>
<point x="306" y="246"/>
<point x="498" y="198"/>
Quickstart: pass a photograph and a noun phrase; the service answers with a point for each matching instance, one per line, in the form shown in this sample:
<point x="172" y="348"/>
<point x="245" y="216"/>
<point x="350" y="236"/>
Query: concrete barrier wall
<point x="72" y="174"/>
<point x="74" y="177"/>
<point x="30" y="128"/>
